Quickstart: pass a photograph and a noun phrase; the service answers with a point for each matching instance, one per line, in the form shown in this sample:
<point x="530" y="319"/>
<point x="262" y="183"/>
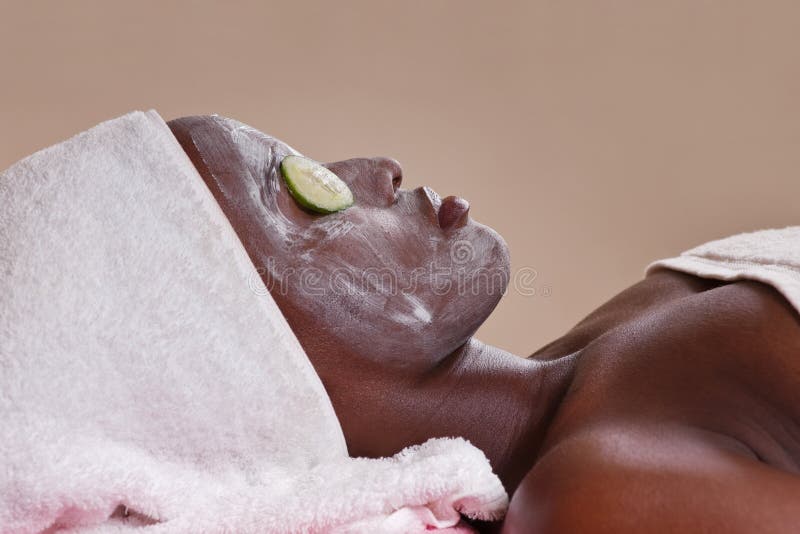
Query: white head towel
<point x="141" y="370"/>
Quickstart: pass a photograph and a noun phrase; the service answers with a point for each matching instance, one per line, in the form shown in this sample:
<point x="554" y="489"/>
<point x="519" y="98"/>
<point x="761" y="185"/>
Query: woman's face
<point x="401" y="276"/>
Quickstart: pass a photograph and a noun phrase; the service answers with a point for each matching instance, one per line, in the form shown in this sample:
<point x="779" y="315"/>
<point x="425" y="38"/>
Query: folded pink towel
<point x="143" y="369"/>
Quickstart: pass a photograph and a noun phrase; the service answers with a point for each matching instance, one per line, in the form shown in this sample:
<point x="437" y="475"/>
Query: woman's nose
<point x="372" y="179"/>
<point x="390" y="168"/>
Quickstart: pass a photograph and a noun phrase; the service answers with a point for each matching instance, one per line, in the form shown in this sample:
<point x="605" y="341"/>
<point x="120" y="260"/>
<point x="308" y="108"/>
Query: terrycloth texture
<point x="142" y="364"/>
<point x="768" y="256"/>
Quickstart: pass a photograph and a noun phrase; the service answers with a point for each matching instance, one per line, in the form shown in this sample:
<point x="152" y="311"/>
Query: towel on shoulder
<point x="768" y="256"/>
<point x="148" y="381"/>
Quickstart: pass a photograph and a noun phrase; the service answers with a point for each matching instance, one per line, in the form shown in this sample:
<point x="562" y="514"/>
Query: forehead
<point x="257" y="150"/>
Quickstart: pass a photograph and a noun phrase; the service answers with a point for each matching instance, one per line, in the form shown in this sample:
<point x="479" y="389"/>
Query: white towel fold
<point x="768" y="256"/>
<point x="140" y="368"/>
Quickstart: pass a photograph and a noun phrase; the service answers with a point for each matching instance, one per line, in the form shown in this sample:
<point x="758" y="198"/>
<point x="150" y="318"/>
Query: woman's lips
<point x="453" y="213"/>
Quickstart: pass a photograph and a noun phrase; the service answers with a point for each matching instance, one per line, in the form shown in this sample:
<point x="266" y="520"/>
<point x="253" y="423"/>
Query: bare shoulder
<point x="726" y="359"/>
<point x="684" y="416"/>
<point x="622" y="477"/>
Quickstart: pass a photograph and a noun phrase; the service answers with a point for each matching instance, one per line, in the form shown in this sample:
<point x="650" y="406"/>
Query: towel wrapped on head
<point x="145" y="383"/>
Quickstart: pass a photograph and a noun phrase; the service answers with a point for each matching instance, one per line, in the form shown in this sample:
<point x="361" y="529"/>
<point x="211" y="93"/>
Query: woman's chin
<point x="480" y="248"/>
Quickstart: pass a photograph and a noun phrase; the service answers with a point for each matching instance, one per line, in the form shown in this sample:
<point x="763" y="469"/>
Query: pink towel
<point x="148" y="381"/>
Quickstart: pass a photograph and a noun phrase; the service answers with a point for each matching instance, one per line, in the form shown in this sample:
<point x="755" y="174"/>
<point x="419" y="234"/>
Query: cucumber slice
<point x="314" y="186"/>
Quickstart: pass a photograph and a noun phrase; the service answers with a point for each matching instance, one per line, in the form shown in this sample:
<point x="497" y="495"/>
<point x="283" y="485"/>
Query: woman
<point x="674" y="407"/>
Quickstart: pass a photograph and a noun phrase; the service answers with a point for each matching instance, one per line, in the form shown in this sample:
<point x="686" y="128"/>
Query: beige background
<point x="595" y="136"/>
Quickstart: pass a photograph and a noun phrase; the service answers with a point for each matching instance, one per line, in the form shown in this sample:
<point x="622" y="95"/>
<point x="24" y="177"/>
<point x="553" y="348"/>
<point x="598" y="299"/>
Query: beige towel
<point x="768" y="256"/>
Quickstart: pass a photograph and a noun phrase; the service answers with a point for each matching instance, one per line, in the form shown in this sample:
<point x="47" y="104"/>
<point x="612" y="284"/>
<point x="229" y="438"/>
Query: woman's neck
<point x="501" y="403"/>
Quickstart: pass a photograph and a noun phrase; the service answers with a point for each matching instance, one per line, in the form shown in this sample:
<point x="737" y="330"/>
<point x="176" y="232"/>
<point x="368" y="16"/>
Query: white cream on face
<point x="386" y="292"/>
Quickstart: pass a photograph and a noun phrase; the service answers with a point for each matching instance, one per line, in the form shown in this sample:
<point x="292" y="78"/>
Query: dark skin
<point x="674" y="407"/>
